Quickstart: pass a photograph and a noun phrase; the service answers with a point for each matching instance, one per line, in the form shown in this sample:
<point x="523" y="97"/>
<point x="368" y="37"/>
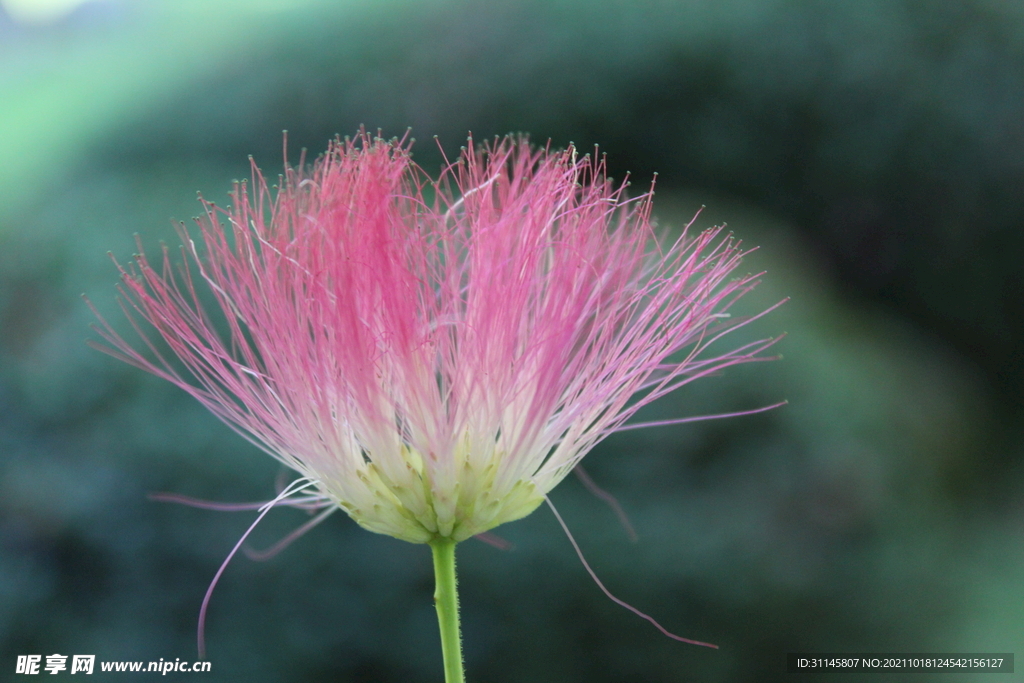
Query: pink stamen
<point x="608" y="593"/>
<point x="305" y="502"/>
<point x="608" y="498"/>
<point x="494" y="540"/>
<point x="294" y="487"/>
<point x="699" y="418"/>
<point x="263" y="555"/>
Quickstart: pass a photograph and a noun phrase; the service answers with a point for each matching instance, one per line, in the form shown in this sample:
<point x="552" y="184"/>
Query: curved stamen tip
<point x="617" y="601"/>
<point x="295" y="487"/>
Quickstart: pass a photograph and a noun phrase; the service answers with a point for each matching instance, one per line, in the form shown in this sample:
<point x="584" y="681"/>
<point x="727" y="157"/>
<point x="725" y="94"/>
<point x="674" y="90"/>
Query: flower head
<point x="435" y="356"/>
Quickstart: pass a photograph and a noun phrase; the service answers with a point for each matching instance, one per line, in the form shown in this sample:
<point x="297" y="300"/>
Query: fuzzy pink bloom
<point x="435" y="356"/>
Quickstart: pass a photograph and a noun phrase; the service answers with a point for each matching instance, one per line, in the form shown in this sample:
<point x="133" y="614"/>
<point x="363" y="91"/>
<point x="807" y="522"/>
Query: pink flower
<point x="435" y="357"/>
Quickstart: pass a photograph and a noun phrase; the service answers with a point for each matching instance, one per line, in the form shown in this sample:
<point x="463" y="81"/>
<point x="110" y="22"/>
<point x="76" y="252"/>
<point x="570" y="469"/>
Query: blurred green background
<point x="873" y="149"/>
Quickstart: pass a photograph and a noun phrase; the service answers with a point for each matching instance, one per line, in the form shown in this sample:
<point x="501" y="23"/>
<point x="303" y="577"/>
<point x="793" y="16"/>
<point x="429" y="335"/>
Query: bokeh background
<point x="872" y="149"/>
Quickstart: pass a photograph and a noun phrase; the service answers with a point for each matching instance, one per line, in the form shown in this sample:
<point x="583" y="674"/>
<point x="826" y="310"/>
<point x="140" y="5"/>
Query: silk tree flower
<point x="434" y="356"/>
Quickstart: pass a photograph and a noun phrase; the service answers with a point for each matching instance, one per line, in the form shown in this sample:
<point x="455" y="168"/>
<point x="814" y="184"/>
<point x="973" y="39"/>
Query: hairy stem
<point x="446" y="599"/>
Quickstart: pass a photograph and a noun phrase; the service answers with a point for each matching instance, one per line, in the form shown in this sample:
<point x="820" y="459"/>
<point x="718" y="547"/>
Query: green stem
<point x="446" y="599"/>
